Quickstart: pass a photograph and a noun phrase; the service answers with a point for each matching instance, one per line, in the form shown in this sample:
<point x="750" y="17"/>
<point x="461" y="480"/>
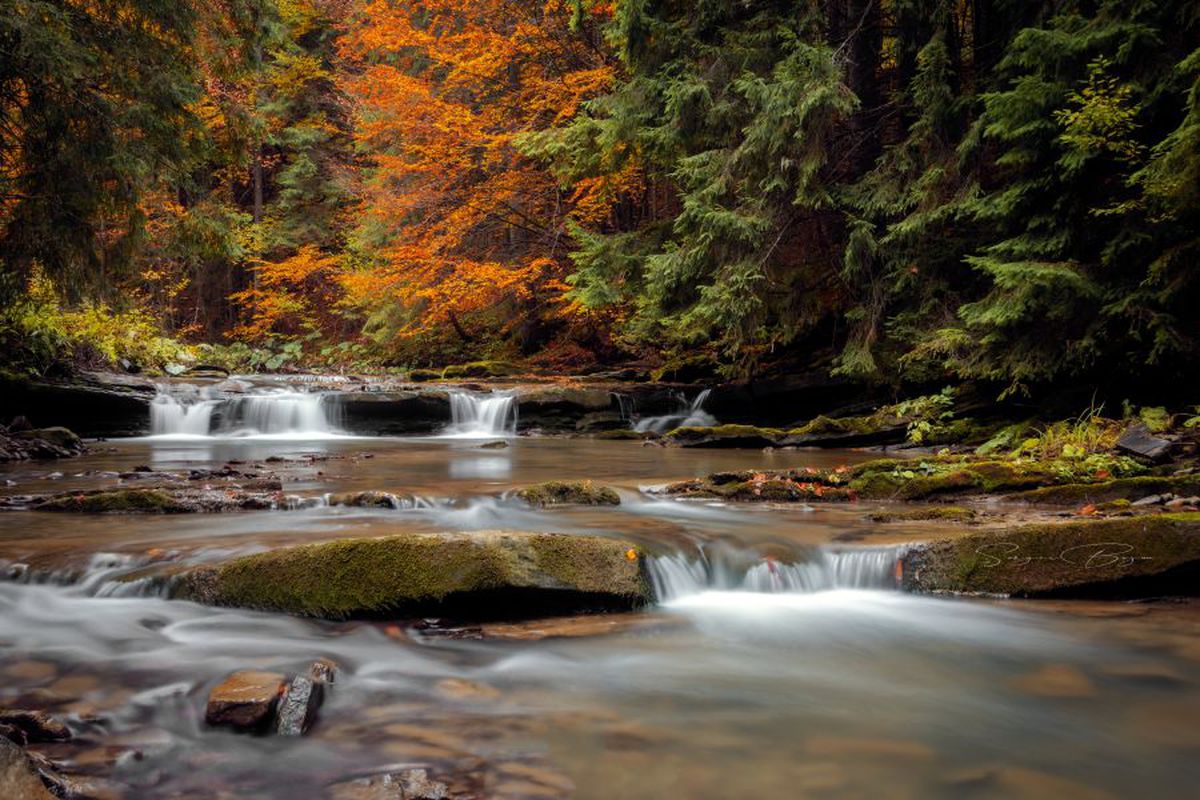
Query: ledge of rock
<point x="90" y="403"/>
<point x="492" y="574"/>
<point x="563" y="493"/>
<point x="18" y="776"/>
<point x="1126" y="557"/>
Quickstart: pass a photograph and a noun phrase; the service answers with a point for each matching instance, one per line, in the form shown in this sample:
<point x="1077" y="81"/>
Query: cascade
<point x="689" y="415"/>
<point x="189" y="411"/>
<point x="678" y="575"/>
<point x="473" y="415"/>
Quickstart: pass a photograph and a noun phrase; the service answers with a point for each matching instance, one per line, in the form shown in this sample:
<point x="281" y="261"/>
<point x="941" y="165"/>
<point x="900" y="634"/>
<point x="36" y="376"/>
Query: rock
<point x="1056" y="680"/>
<point x="725" y="436"/>
<point x="409" y="784"/>
<point x="1007" y="782"/>
<point x="18" y="778"/>
<point x="1137" y="440"/>
<point x="35" y="726"/>
<point x="39" y="443"/>
<point x="565" y="408"/>
<point x="369" y="499"/>
<point x="245" y="700"/>
<point x="298" y="706"/>
<point x="1148" y="500"/>
<point x="488" y="574"/>
<point x="931" y="514"/>
<point x="1139" y="556"/>
<point x="561" y="493"/>
<point x="498" y="445"/>
<point x="90" y="403"/>
<point x="421" y="410"/>
<point x="323" y="670"/>
<point x="162" y="500"/>
<point x="1143" y="489"/>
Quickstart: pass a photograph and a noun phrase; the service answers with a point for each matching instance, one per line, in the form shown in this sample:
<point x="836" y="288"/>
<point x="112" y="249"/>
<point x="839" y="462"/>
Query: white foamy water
<point x="679" y="576"/>
<point x="689" y="415"/>
<point x="476" y="416"/>
<point x="187" y="412"/>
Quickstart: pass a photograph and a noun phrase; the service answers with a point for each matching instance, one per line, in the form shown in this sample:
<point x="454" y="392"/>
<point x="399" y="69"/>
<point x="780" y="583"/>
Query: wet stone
<point x="245" y="700"/>
<point x="298" y="707"/>
<point x="409" y="784"/>
<point x="323" y="670"/>
<point x="37" y="726"/>
<point x="17" y="776"/>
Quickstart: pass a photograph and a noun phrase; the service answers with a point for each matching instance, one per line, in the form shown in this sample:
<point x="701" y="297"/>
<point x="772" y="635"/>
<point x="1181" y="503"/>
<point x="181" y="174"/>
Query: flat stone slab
<point x="481" y="575"/>
<point x="1130" y="556"/>
<point x="245" y="700"/>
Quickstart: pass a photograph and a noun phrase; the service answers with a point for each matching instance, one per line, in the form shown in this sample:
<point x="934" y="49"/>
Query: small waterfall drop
<point x="188" y="411"/>
<point x="679" y="575"/>
<point x="689" y="415"/>
<point x="478" y="416"/>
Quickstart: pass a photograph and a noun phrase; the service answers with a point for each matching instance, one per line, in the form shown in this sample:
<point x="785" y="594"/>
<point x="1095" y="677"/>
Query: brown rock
<point x="323" y="670"/>
<point x="1056" y="680"/>
<point x="37" y="726"/>
<point x="18" y="780"/>
<point x="245" y="700"/>
<point x="409" y="784"/>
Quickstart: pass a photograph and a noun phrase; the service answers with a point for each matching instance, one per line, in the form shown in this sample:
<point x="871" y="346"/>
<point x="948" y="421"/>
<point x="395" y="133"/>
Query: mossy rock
<point x="1108" y="491"/>
<point x="1125" y="557"/>
<point x="931" y="514"/>
<point x="118" y="501"/>
<point x="490" y="574"/>
<point x="424" y="375"/>
<point x="479" y="369"/>
<point x="625" y="434"/>
<point x="562" y="493"/>
<point x="725" y="436"/>
<point x="368" y="499"/>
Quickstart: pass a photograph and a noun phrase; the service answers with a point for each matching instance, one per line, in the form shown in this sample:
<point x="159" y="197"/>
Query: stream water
<point x="749" y="679"/>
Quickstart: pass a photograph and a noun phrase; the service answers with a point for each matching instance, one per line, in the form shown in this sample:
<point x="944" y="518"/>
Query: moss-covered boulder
<point x="725" y="436"/>
<point x="778" y="486"/>
<point x="928" y="514"/>
<point x="1112" y="490"/>
<point x="880" y="428"/>
<point x="491" y="574"/>
<point x="1134" y="556"/>
<point x="565" y="493"/>
<point x="423" y="375"/>
<point x="118" y="501"/>
<point x="479" y="369"/>
<point x="369" y="499"/>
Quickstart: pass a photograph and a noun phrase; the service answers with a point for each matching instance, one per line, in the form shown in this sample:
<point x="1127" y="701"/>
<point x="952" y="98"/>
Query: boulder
<point x="725" y="436"/>
<point x="18" y="778"/>
<point x="161" y="500"/>
<point x="1121" y="557"/>
<point x="490" y="574"/>
<point x="39" y="443"/>
<point x="563" y="493"/>
<point x="1137" y="440"/>
<point x="245" y="700"/>
<point x="368" y="499"/>
<point x="565" y="408"/>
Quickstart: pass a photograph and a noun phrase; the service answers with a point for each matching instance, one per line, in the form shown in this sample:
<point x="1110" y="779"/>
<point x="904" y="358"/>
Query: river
<point x="739" y="683"/>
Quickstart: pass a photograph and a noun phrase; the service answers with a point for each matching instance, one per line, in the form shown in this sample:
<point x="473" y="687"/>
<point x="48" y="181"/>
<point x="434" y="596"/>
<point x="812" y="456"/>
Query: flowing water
<point x="474" y="416"/>
<point x="779" y="661"/>
<point x="689" y="414"/>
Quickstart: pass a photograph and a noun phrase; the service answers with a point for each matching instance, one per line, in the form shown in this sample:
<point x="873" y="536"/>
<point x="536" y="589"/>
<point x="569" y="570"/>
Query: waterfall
<point x="689" y="415"/>
<point x="473" y="416"/>
<point x="679" y="575"/>
<point x="187" y="411"/>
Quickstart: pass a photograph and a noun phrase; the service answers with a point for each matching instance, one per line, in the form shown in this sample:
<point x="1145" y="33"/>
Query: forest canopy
<point x="1005" y="191"/>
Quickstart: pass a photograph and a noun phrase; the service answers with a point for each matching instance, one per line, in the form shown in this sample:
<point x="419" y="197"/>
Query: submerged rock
<point x="560" y="493"/>
<point x="245" y="701"/>
<point x="368" y="499"/>
<point x="490" y="574"/>
<point x="34" y="726"/>
<point x="1124" y="557"/>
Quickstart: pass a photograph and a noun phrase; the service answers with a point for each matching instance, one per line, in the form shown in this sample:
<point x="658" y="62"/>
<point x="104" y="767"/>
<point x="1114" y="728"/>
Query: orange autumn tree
<point x="466" y="236"/>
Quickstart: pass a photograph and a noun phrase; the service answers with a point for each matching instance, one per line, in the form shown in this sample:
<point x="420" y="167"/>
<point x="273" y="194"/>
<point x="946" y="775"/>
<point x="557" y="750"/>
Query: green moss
<point x="1105" y="491"/>
<point x="691" y="434"/>
<point x="117" y="501"/>
<point x="557" y="493"/>
<point x="424" y="375"/>
<point x="354" y="577"/>
<point x="479" y="369"/>
<point x="1045" y="558"/>
<point x="932" y="514"/>
<point x="625" y="434"/>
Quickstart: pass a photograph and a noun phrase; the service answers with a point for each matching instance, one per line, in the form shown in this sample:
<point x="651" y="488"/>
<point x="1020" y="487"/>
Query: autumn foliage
<point x="466" y="234"/>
